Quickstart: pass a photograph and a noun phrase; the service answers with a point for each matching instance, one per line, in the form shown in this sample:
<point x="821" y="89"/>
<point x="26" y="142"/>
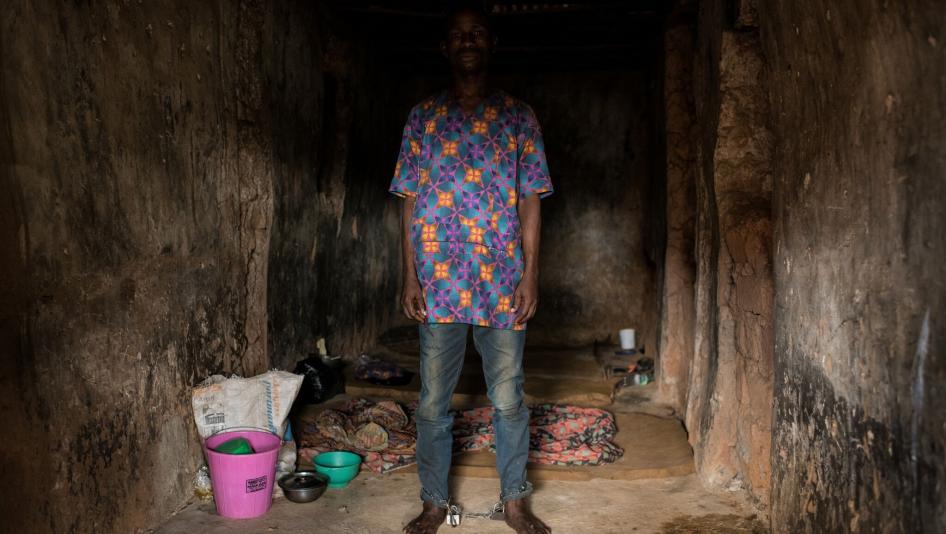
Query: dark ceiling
<point x="532" y="35"/>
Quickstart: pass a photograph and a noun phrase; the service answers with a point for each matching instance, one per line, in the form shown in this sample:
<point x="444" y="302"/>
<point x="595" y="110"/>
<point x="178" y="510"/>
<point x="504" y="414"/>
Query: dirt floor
<point x="650" y="489"/>
<point x="572" y="375"/>
<point x="654" y="441"/>
<point x="384" y="504"/>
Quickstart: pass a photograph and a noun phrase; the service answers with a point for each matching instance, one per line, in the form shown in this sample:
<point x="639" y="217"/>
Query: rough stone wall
<point x="859" y="91"/>
<point x="729" y="390"/>
<point x="335" y="249"/>
<point x="139" y="171"/>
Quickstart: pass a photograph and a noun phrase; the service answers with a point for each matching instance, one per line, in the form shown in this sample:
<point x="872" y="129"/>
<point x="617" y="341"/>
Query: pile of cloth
<point x="385" y="434"/>
<point x="558" y="434"/>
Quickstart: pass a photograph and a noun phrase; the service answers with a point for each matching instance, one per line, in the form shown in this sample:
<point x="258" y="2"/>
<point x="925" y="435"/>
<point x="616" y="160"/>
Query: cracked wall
<point x="138" y="157"/>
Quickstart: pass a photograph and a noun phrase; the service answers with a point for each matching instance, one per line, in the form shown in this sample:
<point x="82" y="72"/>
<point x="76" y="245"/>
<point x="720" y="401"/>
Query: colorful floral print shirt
<point x="467" y="172"/>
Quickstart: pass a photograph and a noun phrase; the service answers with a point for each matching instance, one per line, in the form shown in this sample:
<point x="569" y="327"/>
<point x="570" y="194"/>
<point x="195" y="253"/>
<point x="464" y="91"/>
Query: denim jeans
<point x="442" y="347"/>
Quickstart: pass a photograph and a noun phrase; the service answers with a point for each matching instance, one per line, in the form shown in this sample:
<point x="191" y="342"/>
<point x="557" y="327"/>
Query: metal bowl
<point x="303" y="486"/>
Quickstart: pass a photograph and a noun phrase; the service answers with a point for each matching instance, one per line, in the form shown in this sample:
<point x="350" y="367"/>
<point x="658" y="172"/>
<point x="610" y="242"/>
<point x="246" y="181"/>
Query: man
<point x="471" y="171"/>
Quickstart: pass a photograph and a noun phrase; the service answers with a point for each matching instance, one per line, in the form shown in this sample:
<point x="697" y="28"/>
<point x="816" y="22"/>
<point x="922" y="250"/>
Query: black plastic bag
<point x="320" y="381"/>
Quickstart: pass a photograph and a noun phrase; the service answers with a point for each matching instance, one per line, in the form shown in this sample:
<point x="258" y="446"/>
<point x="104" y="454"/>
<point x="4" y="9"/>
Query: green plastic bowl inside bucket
<point x="339" y="466"/>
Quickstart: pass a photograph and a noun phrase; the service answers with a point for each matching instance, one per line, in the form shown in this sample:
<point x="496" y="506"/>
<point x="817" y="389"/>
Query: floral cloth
<point x="384" y="434"/>
<point x="468" y="172"/>
<point x="558" y="434"/>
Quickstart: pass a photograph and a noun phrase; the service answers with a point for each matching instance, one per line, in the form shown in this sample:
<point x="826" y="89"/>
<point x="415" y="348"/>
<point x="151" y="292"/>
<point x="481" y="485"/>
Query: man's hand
<point x="526" y="299"/>
<point x="412" y="301"/>
<point x="412" y="297"/>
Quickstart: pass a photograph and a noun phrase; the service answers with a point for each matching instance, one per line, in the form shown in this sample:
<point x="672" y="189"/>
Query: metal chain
<point x="498" y="508"/>
<point x="455" y="513"/>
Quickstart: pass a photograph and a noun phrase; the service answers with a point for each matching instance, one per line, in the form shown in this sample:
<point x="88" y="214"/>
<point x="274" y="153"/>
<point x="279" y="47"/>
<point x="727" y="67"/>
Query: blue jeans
<point x="442" y="347"/>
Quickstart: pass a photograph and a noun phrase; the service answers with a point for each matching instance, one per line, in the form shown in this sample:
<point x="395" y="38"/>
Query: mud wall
<point x="139" y="171"/>
<point x="334" y="268"/>
<point x="716" y="355"/>
<point x="597" y="272"/>
<point x="819" y="259"/>
<point x="859" y="91"/>
<point x="677" y="310"/>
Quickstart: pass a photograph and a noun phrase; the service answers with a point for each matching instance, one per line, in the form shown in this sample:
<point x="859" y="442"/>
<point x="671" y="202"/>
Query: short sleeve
<point x="532" y="172"/>
<point x="407" y="168"/>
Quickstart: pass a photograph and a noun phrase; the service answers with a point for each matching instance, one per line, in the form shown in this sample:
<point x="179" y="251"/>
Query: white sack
<point x="260" y="402"/>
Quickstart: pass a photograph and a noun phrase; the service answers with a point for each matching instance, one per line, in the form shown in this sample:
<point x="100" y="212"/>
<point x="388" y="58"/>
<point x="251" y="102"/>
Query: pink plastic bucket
<point x="243" y="483"/>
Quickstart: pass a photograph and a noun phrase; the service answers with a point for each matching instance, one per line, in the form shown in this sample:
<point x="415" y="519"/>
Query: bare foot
<point x="520" y="518"/>
<point x="428" y="521"/>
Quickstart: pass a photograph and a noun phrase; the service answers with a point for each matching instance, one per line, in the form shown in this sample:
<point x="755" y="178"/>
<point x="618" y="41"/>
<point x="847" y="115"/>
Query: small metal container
<point x="303" y="486"/>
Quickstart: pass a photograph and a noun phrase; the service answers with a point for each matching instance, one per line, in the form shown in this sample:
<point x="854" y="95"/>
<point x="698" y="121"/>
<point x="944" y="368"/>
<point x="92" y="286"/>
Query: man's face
<point x="468" y="43"/>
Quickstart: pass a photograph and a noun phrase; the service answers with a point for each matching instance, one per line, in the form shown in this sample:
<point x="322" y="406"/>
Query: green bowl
<point x="339" y="466"/>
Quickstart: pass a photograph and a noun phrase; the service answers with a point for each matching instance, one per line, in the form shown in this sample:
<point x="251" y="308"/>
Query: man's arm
<point x="412" y="297"/>
<point x="526" y="299"/>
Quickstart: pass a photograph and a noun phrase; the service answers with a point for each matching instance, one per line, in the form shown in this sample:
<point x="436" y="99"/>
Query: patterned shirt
<point x="467" y="172"/>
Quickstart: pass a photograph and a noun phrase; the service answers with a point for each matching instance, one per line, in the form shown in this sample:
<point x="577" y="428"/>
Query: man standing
<point x="471" y="170"/>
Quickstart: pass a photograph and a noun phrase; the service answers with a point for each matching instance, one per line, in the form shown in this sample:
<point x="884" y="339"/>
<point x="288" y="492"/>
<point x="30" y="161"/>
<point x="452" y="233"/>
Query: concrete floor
<point x="383" y="504"/>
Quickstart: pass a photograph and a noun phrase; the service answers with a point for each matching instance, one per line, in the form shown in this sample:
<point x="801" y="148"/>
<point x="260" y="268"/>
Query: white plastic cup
<point x="627" y="338"/>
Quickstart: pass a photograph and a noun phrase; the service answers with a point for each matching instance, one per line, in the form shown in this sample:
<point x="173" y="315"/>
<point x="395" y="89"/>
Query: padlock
<point x="453" y="518"/>
<point x="499" y="512"/>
